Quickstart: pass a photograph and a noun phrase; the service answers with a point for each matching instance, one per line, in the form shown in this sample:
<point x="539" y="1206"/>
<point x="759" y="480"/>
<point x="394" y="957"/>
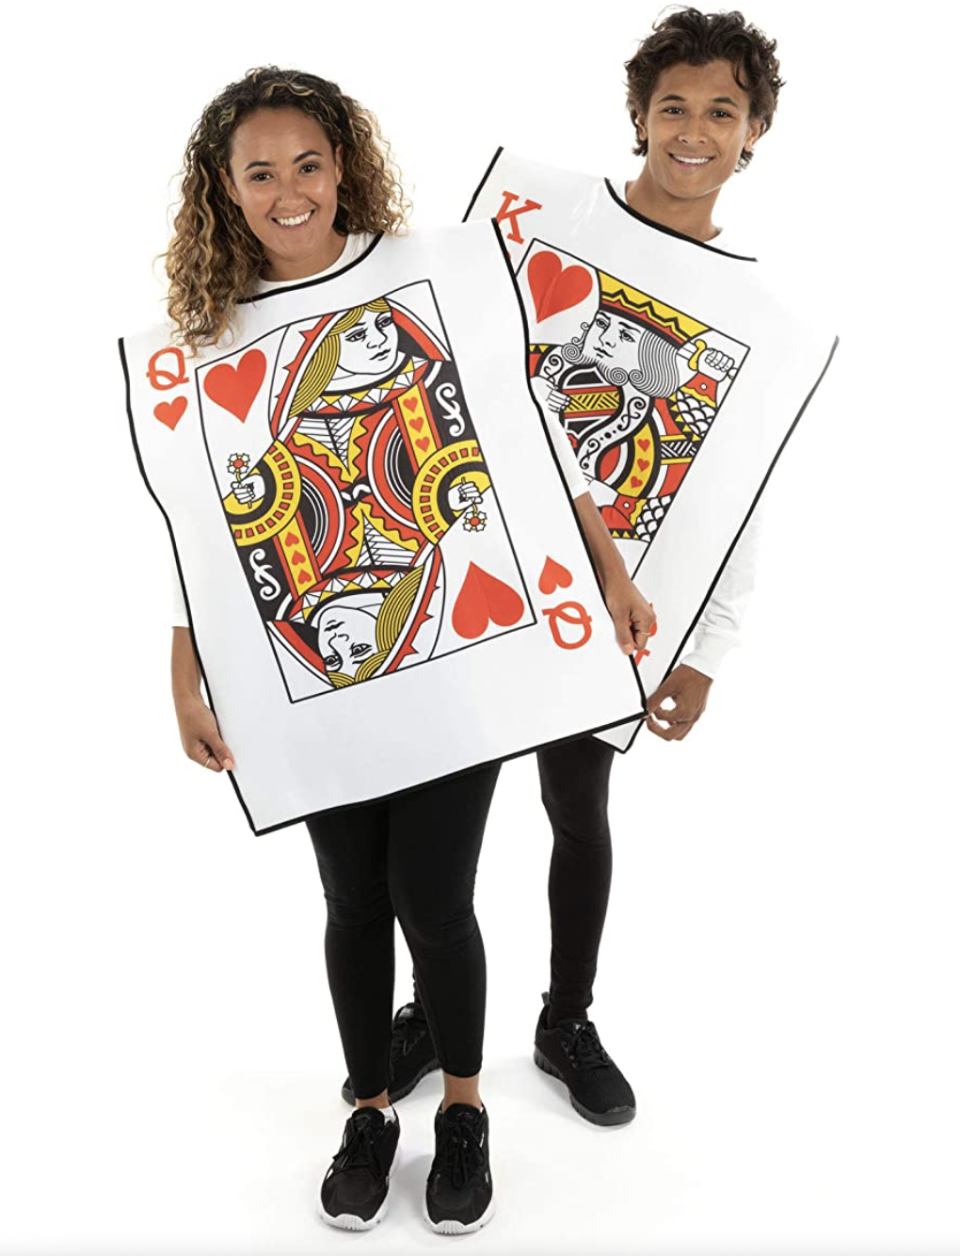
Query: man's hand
<point x="687" y="689"/>
<point x="632" y="615"/>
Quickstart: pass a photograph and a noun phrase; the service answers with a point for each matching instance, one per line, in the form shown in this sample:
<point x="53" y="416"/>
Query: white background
<point x="779" y="972"/>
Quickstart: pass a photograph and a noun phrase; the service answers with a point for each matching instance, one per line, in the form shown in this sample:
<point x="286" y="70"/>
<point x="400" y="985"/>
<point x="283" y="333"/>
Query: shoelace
<point x="583" y="1046"/>
<point x="407" y="1032"/>
<point x="360" y="1149"/>
<point x="460" y="1152"/>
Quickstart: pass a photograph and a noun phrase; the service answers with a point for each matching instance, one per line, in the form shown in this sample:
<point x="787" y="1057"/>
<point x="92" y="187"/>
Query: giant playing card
<point x="677" y="372"/>
<point x="386" y="582"/>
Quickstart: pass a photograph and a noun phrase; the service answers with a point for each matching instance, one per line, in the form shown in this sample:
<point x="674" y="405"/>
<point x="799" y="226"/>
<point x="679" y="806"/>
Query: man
<point x="701" y="91"/>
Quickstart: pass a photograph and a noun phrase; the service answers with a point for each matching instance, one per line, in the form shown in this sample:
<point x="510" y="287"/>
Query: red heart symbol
<point x="416" y="424"/>
<point x="170" y="412"/>
<point x="304" y="578"/>
<point x="635" y="483"/>
<point x="644" y="445"/>
<point x="236" y="387"/>
<point x="411" y="403"/>
<point x="297" y="559"/>
<point x="484" y="599"/>
<point x="554" y="289"/>
<point x="423" y="443"/>
<point x="642" y="463"/>
<point x="554" y="576"/>
<point x="291" y="538"/>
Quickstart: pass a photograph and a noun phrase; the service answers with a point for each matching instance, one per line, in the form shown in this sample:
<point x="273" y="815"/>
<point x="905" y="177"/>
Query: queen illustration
<point x="339" y="523"/>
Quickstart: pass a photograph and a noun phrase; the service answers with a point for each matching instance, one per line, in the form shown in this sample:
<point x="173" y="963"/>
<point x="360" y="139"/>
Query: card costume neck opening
<point x="620" y="203"/>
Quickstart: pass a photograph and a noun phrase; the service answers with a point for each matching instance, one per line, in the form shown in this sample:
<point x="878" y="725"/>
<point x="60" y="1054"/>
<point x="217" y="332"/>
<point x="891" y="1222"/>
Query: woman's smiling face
<point x="283" y="175"/>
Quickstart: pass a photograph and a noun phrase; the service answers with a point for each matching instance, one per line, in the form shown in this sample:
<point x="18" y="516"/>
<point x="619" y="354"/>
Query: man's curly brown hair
<point x="690" y="37"/>
<point x="214" y="259"/>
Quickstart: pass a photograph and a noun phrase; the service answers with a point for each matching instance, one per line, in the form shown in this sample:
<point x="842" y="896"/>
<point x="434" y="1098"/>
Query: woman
<point x="286" y="179"/>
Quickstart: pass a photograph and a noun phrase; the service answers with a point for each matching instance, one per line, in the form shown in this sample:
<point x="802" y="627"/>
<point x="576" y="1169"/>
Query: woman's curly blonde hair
<point x="214" y="259"/>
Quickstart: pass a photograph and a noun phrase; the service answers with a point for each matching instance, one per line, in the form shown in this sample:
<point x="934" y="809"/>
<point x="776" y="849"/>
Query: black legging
<point x="575" y="787"/>
<point x="412" y="857"/>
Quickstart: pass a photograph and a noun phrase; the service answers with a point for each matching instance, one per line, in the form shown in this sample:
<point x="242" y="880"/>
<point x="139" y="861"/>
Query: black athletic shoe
<point x="460" y="1189"/>
<point x="412" y="1054"/>
<point x="353" y="1194"/>
<point x="574" y="1053"/>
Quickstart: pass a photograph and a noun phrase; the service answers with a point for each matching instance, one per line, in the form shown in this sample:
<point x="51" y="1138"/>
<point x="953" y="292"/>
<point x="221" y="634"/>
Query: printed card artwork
<point x="636" y="384"/>
<point x="356" y="492"/>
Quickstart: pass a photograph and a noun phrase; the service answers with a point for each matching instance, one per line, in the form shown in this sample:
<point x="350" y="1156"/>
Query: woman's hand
<point x="200" y="735"/>
<point x="633" y="617"/>
<point x="198" y="725"/>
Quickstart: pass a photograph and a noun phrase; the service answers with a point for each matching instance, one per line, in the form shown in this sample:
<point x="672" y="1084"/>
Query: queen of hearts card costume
<point x="387" y="584"/>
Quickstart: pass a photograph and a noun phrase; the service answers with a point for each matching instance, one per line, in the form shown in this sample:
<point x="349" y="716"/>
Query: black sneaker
<point x="574" y="1053"/>
<point x="412" y="1054"/>
<point x="353" y="1194"/>
<point x="460" y="1189"/>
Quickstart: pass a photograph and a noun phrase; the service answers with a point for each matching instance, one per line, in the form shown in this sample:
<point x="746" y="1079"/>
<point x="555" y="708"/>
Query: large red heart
<point x="554" y="288"/>
<point x="236" y="387"/>
<point x="170" y="412"/>
<point x="554" y="576"/>
<point x="484" y="599"/>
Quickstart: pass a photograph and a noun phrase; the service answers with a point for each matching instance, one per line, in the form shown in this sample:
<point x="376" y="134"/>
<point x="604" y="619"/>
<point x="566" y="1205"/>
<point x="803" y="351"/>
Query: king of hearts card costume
<point x="386" y="580"/>
<point x="676" y="372"/>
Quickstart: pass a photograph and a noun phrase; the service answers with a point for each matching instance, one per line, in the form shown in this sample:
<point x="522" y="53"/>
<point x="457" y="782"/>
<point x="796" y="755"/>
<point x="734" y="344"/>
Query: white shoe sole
<point x="349" y="1220"/>
<point x="457" y="1227"/>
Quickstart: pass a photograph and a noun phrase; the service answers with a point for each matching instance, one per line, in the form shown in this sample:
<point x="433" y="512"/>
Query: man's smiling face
<point x="697" y="126"/>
